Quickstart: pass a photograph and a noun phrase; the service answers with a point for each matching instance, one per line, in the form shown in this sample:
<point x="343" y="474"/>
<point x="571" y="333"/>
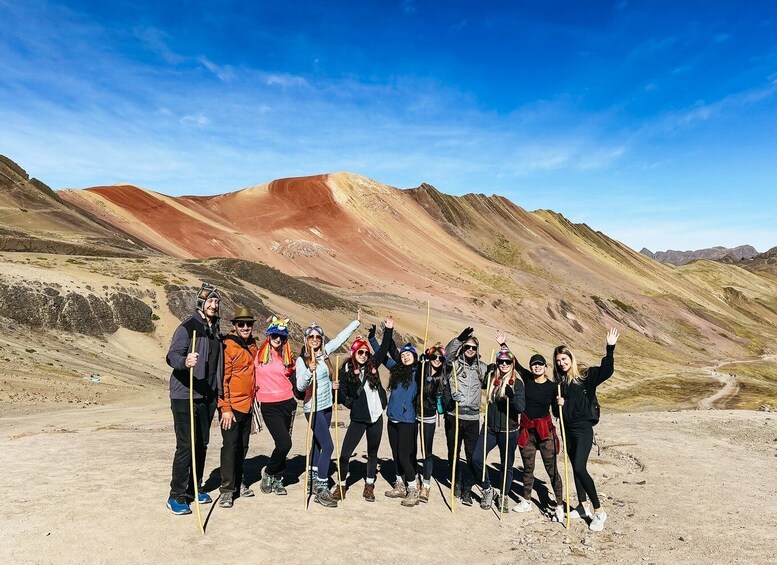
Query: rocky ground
<point x="89" y="485"/>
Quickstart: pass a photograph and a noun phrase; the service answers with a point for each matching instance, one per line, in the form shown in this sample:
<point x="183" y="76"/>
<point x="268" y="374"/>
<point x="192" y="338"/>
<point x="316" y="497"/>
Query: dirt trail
<point x="89" y="485"/>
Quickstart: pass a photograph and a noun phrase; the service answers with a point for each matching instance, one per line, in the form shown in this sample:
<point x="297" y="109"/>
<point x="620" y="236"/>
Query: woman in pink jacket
<point x="274" y="366"/>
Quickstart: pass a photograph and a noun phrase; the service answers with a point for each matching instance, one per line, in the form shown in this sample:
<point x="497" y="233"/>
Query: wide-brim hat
<point x="243" y="315"/>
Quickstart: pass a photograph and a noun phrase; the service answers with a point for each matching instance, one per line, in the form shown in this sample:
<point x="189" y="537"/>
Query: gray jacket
<point x="180" y="347"/>
<point x="469" y="377"/>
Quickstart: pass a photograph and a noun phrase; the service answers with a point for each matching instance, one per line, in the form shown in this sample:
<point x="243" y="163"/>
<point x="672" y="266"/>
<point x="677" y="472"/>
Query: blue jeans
<point x="323" y="446"/>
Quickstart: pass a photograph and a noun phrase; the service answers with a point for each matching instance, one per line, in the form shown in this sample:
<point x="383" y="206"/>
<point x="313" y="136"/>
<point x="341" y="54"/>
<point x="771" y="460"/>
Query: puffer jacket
<point x="469" y="377"/>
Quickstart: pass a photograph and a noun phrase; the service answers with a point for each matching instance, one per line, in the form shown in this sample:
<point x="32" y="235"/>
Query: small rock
<point x="587" y="541"/>
<point x="642" y="483"/>
<point x="683" y="538"/>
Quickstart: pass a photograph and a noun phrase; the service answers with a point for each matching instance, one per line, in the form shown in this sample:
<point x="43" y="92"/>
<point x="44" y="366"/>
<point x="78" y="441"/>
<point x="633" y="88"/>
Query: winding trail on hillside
<point x="721" y="398"/>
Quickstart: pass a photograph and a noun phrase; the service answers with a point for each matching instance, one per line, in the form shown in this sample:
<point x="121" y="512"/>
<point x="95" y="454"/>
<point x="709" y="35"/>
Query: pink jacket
<point x="272" y="380"/>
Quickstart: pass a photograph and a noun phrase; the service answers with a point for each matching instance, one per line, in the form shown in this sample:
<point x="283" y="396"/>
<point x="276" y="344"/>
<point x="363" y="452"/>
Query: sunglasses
<point x="538" y="365"/>
<point x="470" y="348"/>
<point x="314" y="336"/>
<point x="278" y="336"/>
<point x="504" y="362"/>
<point x="363" y="352"/>
<point x="436" y="358"/>
<point x="244" y="324"/>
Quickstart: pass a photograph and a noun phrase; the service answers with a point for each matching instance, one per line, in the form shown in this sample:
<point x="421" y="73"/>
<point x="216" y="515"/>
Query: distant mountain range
<point x="730" y="254"/>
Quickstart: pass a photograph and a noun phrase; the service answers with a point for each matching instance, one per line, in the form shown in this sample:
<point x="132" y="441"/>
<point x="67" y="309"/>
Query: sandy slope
<point x="89" y="485"/>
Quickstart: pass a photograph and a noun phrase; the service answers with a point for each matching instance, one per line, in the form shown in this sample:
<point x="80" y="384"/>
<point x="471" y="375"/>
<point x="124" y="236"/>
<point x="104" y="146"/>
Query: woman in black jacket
<point x="436" y="374"/>
<point x="504" y="387"/>
<point x="362" y="392"/>
<point x="580" y="410"/>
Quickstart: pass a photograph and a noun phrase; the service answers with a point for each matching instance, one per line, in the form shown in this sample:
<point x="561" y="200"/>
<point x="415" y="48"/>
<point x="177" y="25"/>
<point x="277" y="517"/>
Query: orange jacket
<point x="239" y="383"/>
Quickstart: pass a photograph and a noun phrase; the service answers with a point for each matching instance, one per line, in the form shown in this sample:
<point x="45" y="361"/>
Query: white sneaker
<point x="522" y="506"/>
<point x="559" y="514"/>
<point x="597" y="522"/>
<point x="578" y="512"/>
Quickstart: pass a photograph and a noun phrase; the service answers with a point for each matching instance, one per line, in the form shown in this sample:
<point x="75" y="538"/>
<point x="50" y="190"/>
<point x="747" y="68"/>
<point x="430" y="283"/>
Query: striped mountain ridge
<point x="474" y="257"/>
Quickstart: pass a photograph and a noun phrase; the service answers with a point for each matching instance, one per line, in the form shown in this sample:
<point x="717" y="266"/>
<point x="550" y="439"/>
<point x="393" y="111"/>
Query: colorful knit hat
<point x="264" y="355"/>
<point x="359" y="343"/>
<point x="505" y="354"/>
<point x="436" y="349"/>
<point x="314" y="327"/>
<point x="206" y="291"/>
<point x="278" y="326"/>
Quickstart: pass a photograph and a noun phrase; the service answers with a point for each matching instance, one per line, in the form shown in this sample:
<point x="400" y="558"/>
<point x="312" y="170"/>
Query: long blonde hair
<point x="497" y="392"/>
<point x="575" y="373"/>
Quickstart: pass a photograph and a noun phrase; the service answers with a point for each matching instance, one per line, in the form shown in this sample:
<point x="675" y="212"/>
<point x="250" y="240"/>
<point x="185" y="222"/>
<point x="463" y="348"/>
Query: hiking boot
<point x="277" y="485"/>
<point x="369" y="492"/>
<point x="178" y="507"/>
<point x="245" y="492"/>
<point x="204" y="498"/>
<point x="325" y="499"/>
<point x="411" y="498"/>
<point x="267" y="483"/>
<point x="336" y="490"/>
<point x="457" y="489"/>
<point x="487" y="498"/>
<point x="399" y="491"/>
<point x="466" y="497"/>
<point x="525" y="506"/>
<point x="597" y="522"/>
<point x="225" y="500"/>
<point x="503" y="504"/>
<point x="423" y="495"/>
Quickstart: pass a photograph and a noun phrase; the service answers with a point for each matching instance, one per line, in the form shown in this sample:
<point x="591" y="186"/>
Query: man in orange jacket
<point x="235" y="405"/>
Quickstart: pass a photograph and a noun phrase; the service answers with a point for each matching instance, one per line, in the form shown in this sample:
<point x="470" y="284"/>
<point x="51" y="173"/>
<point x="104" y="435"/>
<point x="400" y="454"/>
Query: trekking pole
<point x="194" y="454"/>
<point x="455" y="442"/>
<point x="504" y="463"/>
<point x="307" y="437"/>
<point x="566" y="455"/>
<point x="423" y="382"/>
<point x="337" y="435"/>
<point x="485" y="419"/>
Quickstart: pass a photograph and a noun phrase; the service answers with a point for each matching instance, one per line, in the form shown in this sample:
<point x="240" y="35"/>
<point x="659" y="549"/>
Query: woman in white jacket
<point x="314" y="359"/>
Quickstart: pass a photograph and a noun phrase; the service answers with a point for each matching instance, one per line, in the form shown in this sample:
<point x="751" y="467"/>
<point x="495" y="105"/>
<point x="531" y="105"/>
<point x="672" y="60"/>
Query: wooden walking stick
<point x="307" y="437"/>
<point x="566" y="455"/>
<point x="455" y="442"/>
<point x="485" y="419"/>
<point x="193" y="435"/>
<point x="337" y="435"/>
<point x="423" y="366"/>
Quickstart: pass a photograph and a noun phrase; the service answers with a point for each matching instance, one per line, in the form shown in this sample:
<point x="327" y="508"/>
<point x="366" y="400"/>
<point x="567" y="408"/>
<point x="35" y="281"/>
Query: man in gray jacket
<point x="208" y="363"/>
<point x="463" y="352"/>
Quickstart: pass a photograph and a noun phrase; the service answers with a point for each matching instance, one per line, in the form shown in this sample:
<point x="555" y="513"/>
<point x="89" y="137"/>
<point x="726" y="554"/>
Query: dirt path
<point x="89" y="485"/>
<point x="721" y="398"/>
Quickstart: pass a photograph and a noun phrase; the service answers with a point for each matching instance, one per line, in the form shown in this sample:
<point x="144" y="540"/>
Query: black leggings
<point x="579" y="441"/>
<point x="428" y="461"/>
<point x="353" y="436"/>
<point x="468" y="434"/>
<point x="277" y="417"/>
<point x="402" y="441"/>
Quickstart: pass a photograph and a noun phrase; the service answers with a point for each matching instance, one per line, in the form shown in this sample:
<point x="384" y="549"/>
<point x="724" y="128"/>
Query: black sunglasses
<point x="436" y="358"/>
<point x="470" y="348"/>
<point x="504" y="362"/>
<point x="278" y="336"/>
<point x="363" y="352"/>
<point x="244" y="324"/>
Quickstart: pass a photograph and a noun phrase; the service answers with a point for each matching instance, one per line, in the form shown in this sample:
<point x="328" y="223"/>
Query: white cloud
<point x="196" y="120"/>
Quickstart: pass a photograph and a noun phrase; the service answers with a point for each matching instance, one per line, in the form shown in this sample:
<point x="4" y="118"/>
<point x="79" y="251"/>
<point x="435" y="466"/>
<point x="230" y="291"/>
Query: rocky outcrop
<point x="73" y="312"/>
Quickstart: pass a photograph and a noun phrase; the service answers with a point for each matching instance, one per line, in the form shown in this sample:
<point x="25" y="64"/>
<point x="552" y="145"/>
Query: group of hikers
<point x="243" y="379"/>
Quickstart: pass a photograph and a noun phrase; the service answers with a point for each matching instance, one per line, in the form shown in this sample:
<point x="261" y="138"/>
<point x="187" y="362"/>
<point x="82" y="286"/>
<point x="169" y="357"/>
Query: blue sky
<point x="652" y="121"/>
